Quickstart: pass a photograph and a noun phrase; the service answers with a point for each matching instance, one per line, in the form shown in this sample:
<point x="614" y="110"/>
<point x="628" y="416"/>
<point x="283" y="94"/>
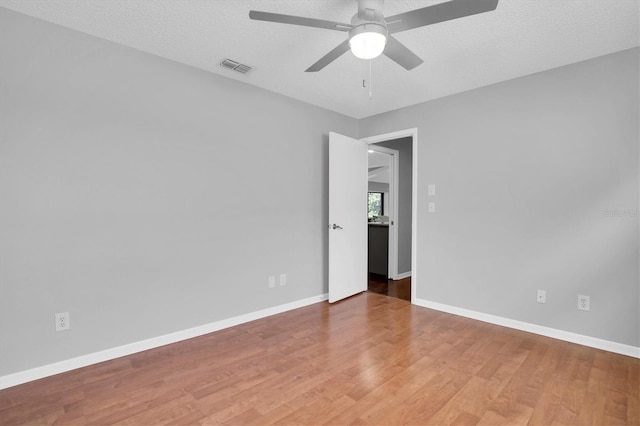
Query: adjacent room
<point x="319" y="212"/>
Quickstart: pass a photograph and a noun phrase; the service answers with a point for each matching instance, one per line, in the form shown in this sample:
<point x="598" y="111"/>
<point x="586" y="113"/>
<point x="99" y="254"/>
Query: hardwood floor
<point x="369" y="359"/>
<point x="380" y="284"/>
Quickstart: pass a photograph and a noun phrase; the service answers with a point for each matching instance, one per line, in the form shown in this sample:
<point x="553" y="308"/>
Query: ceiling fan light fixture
<point x="368" y="41"/>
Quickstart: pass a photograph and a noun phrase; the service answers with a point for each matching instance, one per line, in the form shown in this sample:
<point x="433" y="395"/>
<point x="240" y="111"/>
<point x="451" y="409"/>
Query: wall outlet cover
<point x="63" y="321"/>
<point x="584" y="303"/>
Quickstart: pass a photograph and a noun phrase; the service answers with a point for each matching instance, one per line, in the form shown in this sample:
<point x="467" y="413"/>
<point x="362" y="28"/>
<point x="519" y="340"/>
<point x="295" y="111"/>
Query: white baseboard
<point x="402" y="276"/>
<point x="567" y="336"/>
<point x="117" y="352"/>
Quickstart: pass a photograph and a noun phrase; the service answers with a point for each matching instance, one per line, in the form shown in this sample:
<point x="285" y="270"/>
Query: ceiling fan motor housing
<point x="368" y="27"/>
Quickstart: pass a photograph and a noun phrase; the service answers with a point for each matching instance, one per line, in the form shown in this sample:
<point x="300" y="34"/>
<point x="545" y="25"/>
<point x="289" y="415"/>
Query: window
<point x="376" y="204"/>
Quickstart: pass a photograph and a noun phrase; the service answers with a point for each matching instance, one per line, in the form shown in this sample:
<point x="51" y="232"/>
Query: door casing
<point x="413" y="133"/>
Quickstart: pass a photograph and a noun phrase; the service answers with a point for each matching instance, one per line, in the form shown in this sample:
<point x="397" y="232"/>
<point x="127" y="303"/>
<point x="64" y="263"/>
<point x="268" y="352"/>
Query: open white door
<point x="347" y="217"/>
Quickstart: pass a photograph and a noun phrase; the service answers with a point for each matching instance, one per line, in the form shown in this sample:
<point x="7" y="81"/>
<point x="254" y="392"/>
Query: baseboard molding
<point x="117" y="352"/>
<point x="403" y="275"/>
<point x="567" y="336"/>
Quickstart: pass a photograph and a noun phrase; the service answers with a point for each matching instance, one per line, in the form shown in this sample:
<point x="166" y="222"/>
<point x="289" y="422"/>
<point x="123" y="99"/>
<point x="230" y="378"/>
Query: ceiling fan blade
<point x="330" y="57"/>
<point x="440" y="12"/>
<point x="298" y="20"/>
<point x="400" y="54"/>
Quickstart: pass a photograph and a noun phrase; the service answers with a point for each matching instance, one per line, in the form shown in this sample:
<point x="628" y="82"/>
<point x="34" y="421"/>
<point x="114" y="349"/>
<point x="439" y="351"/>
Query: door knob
<point x="336" y="226"/>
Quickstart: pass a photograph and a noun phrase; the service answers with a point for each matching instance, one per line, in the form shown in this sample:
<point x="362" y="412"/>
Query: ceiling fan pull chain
<point x="370" y="82"/>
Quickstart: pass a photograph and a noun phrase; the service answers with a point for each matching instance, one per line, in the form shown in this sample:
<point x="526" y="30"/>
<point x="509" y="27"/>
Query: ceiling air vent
<point x="235" y="66"/>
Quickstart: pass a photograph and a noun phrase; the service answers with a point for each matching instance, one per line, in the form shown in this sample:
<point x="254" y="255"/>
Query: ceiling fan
<point x="370" y="32"/>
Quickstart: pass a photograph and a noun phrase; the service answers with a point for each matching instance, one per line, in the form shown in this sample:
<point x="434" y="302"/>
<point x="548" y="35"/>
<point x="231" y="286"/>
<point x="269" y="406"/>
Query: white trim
<point x="413" y="133"/>
<point x="567" y="336"/>
<point x="402" y="276"/>
<point x="131" y="348"/>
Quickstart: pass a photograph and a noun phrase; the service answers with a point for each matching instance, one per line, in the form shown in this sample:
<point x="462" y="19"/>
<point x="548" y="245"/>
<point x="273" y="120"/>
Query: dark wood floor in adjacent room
<point x="400" y="289"/>
<point x="370" y="359"/>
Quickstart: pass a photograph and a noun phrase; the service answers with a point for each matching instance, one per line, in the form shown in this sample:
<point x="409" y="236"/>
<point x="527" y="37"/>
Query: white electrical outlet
<point x="431" y="189"/>
<point x="431" y="207"/>
<point x="542" y="296"/>
<point x="584" y="303"/>
<point x="272" y="281"/>
<point x="283" y="279"/>
<point x="63" y="321"/>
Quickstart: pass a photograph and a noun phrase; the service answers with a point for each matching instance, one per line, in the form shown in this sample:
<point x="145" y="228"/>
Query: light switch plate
<point x="432" y="189"/>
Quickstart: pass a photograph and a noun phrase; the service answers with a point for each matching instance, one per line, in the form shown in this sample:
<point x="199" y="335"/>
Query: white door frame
<point x="413" y="133"/>
<point x="392" y="264"/>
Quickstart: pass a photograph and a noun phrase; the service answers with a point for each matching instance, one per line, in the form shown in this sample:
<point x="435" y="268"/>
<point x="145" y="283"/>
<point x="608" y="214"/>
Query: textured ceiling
<point x="520" y="37"/>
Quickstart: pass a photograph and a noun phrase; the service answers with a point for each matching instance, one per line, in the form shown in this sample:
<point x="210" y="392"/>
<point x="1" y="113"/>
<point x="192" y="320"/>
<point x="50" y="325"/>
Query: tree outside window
<point x="376" y="204"/>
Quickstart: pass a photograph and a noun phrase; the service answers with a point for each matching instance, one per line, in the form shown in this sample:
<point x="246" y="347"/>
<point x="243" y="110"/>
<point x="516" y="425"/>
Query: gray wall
<point x="378" y="187"/>
<point x="110" y="202"/>
<point x="530" y="174"/>
<point x="405" y="175"/>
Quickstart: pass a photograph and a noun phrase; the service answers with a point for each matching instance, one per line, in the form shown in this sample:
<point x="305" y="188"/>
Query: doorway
<point x="347" y="269"/>
<point x="382" y="208"/>
<point x="400" y="278"/>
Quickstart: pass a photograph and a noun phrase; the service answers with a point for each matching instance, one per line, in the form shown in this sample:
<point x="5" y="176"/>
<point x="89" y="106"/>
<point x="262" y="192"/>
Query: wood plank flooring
<point x="370" y="359"/>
